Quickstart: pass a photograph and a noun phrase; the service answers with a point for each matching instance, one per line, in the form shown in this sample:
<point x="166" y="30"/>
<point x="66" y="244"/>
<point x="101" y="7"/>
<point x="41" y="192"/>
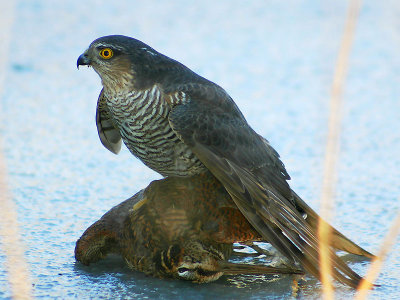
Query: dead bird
<point x="177" y="227"/>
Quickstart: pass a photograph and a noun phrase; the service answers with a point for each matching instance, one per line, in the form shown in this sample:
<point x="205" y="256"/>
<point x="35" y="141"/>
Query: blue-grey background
<point x="275" y="58"/>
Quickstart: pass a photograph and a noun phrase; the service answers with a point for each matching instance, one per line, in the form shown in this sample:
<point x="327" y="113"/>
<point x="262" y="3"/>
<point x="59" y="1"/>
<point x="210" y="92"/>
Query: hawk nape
<point x="181" y="124"/>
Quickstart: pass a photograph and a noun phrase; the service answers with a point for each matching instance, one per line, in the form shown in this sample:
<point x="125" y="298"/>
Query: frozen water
<point x="276" y="59"/>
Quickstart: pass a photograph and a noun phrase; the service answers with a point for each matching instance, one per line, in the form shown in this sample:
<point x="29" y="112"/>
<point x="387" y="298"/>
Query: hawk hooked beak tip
<point x="83" y="60"/>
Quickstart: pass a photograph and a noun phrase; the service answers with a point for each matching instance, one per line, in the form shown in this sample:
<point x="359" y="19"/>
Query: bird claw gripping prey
<point x="181" y="124"/>
<point x="177" y="227"/>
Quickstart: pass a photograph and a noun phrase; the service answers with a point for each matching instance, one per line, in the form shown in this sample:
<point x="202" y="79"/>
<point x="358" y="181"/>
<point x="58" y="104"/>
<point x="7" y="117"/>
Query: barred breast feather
<point x="142" y="119"/>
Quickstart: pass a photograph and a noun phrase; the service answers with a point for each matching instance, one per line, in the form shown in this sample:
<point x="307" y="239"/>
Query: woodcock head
<point x="202" y="262"/>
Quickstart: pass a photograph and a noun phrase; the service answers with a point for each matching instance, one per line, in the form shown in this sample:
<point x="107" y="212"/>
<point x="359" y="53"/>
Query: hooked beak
<point x="83" y="60"/>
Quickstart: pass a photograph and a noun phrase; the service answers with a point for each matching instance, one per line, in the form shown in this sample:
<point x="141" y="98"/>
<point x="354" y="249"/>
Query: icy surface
<point x="276" y="59"/>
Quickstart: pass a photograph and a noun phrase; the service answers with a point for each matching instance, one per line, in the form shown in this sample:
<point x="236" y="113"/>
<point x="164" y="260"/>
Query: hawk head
<point x="120" y="60"/>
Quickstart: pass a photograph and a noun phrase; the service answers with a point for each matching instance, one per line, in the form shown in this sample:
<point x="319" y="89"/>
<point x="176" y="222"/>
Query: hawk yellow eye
<point x="106" y="53"/>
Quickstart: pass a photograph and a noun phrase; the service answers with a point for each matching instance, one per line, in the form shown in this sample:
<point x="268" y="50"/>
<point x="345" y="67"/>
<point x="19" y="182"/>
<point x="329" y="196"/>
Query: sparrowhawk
<point x="181" y="124"/>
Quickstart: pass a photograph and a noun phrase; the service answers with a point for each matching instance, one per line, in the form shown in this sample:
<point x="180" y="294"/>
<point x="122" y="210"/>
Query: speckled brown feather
<point x="174" y="222"/>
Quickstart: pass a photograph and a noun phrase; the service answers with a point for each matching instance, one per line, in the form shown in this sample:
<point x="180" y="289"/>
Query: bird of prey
<point x="177" y="227"/>
<point x="181" y="124"/>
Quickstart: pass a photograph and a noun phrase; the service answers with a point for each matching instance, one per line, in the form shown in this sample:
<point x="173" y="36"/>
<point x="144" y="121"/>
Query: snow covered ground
<point x="275" y="58"/>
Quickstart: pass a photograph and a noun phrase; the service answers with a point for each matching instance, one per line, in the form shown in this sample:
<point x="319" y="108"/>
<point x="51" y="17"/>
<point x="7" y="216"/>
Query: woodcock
<point x="176" y="227"/>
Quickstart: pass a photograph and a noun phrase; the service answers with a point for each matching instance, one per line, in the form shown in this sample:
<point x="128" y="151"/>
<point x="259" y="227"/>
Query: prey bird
<point x="179" y="228"/>
<point x="181" y="124"/>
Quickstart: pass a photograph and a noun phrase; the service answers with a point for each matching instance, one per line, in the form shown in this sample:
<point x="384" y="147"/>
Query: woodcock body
<point x="181" y="124"/>
<point x="176" y="227"/>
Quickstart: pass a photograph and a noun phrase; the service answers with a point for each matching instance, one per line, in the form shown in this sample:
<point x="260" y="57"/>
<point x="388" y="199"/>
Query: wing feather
<point x="107" y="130"/>
<point x="252" y="173"/>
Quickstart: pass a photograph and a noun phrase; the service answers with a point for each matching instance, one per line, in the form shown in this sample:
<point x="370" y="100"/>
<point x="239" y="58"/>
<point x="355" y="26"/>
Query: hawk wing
<point x="107" y="130"/>
<point x="210" y="123"/>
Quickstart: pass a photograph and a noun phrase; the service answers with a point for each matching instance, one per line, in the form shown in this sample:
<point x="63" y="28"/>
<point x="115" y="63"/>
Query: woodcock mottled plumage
<point x="176" y="227"/>
<point x="180" y="124"/>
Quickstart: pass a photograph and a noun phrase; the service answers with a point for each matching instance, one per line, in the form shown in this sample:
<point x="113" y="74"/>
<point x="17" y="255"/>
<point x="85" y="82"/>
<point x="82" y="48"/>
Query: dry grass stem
<point x="376" y="264"/>
<point x="333" y="145"/>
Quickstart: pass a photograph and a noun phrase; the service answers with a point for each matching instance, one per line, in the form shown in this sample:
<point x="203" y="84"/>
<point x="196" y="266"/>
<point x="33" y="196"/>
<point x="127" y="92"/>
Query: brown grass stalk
<point x="15" y="264"/>
<point x="377" y="262"/>
<point x="333" y="145"/>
